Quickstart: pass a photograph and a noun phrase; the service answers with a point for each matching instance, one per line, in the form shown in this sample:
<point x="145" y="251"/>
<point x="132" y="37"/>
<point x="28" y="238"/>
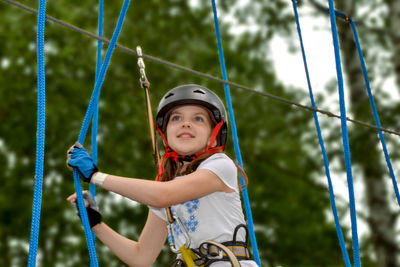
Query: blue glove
<point x="78" y="157"/>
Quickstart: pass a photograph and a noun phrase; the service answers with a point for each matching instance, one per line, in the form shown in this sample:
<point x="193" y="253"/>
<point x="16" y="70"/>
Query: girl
<point x="199" y="197"/>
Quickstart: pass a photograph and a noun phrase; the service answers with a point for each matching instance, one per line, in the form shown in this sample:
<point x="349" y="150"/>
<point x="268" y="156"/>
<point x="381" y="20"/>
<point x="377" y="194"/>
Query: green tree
<point x="289" y="205"/>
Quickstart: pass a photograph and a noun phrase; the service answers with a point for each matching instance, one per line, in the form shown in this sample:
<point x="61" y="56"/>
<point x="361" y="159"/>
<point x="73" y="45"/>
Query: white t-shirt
<point x="212" y="217"/>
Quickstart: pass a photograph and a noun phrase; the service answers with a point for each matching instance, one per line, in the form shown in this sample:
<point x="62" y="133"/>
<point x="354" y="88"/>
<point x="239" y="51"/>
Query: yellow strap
<point x="145" y="85"/>
<point x="188" y="256"/>
<point x="151" y="127"/>
<point x="169" y="215"/>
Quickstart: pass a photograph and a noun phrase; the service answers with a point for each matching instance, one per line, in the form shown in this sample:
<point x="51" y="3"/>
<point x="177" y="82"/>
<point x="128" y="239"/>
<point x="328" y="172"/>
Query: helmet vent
<point x="199" y="91"/>
<point x="169" y="95"/>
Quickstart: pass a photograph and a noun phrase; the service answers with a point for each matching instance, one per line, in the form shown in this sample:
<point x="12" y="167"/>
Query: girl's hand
<point x="73" y="198"/>
<point x="79" y="158"/>
<point x="92" y="209"/>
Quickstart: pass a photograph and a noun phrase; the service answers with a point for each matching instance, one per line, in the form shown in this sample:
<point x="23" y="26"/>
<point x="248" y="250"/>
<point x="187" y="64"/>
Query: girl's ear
<point x="214" y="144"/>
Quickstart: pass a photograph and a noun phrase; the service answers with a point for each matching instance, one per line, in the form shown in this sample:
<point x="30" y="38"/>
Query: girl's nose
<point x="186" y="124"/>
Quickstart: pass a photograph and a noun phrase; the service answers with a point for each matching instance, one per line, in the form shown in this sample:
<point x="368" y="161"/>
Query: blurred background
<point x="287" y="184"/>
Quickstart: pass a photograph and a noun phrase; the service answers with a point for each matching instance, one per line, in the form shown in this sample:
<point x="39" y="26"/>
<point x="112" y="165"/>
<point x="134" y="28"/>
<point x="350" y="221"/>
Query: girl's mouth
<point x="185" y="135"/>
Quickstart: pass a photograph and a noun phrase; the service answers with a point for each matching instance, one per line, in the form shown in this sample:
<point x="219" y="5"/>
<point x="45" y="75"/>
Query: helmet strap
<point x="214" y="134"/>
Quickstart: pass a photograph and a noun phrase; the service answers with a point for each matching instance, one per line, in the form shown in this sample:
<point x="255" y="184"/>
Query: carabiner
<point x="171" y="239"/>
<point x="143" y="79"/>
<point x="184" y="231"/>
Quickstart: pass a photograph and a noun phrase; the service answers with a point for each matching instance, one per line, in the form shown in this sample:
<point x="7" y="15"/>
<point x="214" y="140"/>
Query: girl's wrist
<point x="98" y="178"/>
<point x="97" y="227"/>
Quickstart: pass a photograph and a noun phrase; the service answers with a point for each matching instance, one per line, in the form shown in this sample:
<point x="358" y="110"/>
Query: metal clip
<point x="184" y="231"/>
<point x="143" y="79"/>
<point x="210" y="251"/>
<point x="171" y="239"/>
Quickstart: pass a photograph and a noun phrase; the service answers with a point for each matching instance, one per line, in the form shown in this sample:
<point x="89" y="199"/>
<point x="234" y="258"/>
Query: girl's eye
<point x="198" y="119"/>
<point x="175" y="118"/>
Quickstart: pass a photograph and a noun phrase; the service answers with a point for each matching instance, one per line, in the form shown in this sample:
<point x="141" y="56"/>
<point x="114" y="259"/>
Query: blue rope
<point x="345" y="138"/>
<point x="40" y="135"/>
<point x="235" y="138"/>
<point x="103" y="70"/>
<point x="321" y="143"/>
<point x="374" y="111"/>
<point x="85" y="125"/>
<point x="95" y="120"/>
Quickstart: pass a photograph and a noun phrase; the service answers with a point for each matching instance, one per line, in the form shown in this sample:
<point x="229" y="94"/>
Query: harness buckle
<point x="212" y="255"/>
<point x="211" y="252"/>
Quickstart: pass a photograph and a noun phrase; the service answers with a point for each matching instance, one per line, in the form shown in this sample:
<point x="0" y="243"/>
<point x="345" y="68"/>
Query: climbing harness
<point x="211" y="251"/>
<point x="208" y="252"/>
<point x="245" y="195"/>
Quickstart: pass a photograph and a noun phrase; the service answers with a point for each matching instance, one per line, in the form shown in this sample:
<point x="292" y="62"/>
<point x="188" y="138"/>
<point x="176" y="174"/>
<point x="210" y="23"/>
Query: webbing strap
<point x="188" y="256"/>
<point x="151" y="127"/>
<point x="235" y="137"/>
<point x="345" y="138"/>
<point x="232" y="258"/>
<point x="85" y="126"/>
<point x="40" y="135"/>
<point x="145" y="84"/>
<point x="322" y="146"/>
<point x="374" y="111"/>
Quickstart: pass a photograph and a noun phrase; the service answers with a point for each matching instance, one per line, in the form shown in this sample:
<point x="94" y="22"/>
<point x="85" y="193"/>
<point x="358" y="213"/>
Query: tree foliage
<point x="278" y="142"/>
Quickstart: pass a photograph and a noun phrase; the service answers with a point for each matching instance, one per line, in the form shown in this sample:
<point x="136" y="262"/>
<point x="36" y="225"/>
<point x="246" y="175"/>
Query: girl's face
<point x="188" y="130"/>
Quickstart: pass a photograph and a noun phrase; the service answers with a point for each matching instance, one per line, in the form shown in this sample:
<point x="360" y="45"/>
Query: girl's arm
<point x="164" y="194"/>
<point x="141" y="253"/>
